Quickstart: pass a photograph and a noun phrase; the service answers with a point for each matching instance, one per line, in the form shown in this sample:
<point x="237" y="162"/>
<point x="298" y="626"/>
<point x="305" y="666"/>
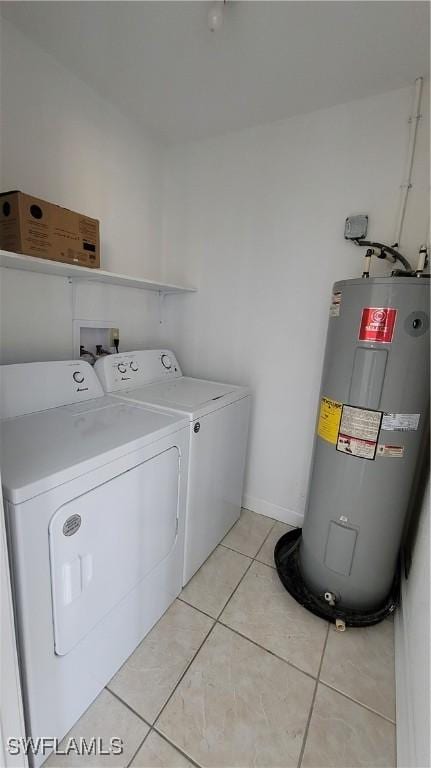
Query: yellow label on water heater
<point x="329" y="419"/>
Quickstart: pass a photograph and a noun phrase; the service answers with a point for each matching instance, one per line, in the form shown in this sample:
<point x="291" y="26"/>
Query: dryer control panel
<point x="130" y="370"/>
<point x="31" y="387"/>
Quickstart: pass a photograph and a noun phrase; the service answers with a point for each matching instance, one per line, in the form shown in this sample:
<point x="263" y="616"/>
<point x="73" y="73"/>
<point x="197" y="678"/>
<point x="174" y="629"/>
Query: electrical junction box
<point x="356" y="227"/>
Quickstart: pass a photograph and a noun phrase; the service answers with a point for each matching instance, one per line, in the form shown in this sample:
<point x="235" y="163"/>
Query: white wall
<point x="64" y="143"/>
<point x="412" y="646"/>
<point x="255" y="220"/>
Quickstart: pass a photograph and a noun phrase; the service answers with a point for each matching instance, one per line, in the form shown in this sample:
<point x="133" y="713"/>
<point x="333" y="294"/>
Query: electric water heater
<point x="371" y="423"/>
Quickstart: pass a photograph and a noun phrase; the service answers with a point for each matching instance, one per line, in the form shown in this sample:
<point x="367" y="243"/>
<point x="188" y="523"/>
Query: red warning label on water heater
<point x="377" y="324"/>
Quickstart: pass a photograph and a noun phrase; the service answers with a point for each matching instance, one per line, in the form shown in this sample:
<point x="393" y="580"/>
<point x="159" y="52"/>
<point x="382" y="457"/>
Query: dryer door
<point x="105" y="541"/>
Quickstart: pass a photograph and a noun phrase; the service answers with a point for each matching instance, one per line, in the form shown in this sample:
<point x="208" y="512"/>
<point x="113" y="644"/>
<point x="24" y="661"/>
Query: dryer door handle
<point x="76" y="575"/>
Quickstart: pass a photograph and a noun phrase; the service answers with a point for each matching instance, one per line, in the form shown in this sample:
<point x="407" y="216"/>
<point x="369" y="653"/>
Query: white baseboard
<point x="268" y="509"/>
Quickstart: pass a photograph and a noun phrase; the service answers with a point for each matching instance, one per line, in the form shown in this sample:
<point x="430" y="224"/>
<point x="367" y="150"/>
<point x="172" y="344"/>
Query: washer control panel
<point x="31" y="387"/>
<point x="130" y="370"/>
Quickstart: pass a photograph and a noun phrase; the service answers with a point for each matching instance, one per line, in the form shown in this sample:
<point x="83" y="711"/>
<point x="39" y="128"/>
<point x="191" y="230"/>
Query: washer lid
<point x="40" y="451"/>
<point x="187" y="395"/>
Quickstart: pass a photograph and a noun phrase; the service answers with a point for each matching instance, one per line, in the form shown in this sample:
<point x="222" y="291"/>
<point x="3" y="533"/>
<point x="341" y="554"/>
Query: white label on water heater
<point x="353" y="446"/>
<point x="392" y="451"/>
<point x="400" y="422"/>
<point x="359" y="430"/>
<point x="360" y="422"/>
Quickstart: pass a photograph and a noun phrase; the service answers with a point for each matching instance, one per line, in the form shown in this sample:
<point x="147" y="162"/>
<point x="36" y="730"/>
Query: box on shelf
<point x="34" y="227"/>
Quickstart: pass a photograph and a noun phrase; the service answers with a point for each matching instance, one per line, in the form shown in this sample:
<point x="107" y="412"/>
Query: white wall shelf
<point x="11" y="260"/>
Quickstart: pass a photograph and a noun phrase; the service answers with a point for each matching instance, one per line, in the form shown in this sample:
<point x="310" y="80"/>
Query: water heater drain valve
<point x="330" y="598"/>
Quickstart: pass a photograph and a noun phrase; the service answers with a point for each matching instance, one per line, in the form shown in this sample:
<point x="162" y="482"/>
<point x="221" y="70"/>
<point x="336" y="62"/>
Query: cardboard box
<point x="37" y="228"/>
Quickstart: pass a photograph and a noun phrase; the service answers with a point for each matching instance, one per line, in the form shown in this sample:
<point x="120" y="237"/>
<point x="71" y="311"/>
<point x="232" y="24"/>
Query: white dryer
<point x="95" y="492"/>
<point x="218" y="416"/>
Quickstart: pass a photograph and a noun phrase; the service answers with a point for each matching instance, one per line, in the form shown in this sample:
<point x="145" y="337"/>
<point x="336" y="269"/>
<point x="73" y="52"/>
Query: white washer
<point x="218" y="415"/>
<point x="95" y="492"/>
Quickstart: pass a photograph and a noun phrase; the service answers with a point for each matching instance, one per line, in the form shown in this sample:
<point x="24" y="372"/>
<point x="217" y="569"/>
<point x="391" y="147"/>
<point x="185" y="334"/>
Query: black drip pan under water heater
<point x="286" y="558"/>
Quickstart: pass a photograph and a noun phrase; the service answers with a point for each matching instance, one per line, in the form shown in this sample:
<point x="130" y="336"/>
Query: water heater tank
<point x="371" y="423"/>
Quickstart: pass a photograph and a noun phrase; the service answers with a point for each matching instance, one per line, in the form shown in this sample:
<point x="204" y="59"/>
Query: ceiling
<point x="270" y="60"/>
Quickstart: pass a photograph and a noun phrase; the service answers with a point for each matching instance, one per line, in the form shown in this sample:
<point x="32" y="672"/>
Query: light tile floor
<point x="236" y="673"/>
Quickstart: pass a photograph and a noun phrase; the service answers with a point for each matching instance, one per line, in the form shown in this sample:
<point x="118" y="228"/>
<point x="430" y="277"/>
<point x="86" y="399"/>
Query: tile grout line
<point x="204" y="613"/>
<point x="327" y="685"/>
<point x="303" y="671"/>
<point x="359" y="703"/>
<point x="139" y="747"/>
<point x="272" y="565"/>
<point x="267" y="650"/>
<point x="286" y="661"/>
<point x="266" y="537"/>
<point x="237" y="552"/>
<point x="236" y="588"/>
<point x="157" y="718"/>
<point x="253" y="557"/>
<point x="178" y="749"/>
<point x="262" y="562"/>
<point x="225" y="546"/>
<point x="250" y="640"/>
<point x="252" y="560"/>
<point x="227" y="626"/>
<point x="152" y="727"/>
<point x="307" y="726"/>
<point x="249" y="557"/>
<point x="134" y="712"/>
<point x="215" y="622"/>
